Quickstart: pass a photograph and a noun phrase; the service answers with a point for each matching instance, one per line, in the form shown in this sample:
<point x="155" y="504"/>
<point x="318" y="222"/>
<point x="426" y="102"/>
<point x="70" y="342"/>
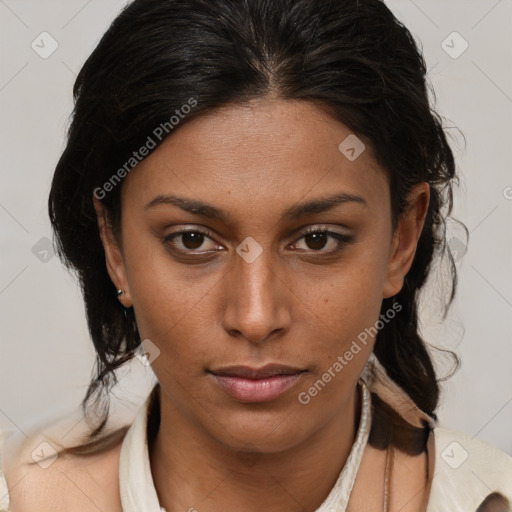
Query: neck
<point x="193" y="471"/>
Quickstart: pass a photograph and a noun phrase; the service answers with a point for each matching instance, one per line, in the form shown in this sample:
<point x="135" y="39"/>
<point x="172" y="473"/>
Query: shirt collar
<point x="136" y="482"/>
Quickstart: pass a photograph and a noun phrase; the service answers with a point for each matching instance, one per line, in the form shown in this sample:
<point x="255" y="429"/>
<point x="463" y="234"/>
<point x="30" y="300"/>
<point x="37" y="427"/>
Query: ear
<point x="113" y="254"/>
<point x="405" y="239"/>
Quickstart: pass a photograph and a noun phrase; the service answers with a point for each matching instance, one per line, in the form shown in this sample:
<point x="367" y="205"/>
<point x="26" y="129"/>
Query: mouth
<point x="256" y="385"/>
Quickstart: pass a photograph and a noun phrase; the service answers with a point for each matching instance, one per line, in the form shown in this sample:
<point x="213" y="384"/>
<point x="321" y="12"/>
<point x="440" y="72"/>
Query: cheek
<point x="163" y="297"/>
<point x="346" y="307"/>
<point x="344" y="316"/>
<point x="351" y="294"/>
<point x="168" y="308"/>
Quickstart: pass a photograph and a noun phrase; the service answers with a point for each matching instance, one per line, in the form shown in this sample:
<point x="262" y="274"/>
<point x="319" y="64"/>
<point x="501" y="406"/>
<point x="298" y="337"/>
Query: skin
<point x="300" y="303"/>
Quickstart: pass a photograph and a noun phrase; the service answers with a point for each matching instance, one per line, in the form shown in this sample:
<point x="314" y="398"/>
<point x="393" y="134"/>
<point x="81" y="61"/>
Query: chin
<point x="259" y="432"/>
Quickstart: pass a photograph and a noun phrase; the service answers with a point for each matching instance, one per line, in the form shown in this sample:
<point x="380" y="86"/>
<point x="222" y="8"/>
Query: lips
<point x="270" y="370"/>
<point x="264" y="384"/>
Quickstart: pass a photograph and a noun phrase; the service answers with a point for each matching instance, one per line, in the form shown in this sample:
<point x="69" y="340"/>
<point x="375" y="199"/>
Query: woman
<point x="258" y="191"/>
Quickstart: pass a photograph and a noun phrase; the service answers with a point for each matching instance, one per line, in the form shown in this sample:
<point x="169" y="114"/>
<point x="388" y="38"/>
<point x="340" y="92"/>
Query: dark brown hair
<point x="352" y="58"/>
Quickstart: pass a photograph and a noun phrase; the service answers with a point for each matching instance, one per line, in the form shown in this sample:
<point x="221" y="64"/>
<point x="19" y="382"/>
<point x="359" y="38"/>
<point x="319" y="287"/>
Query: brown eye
<point x="316" y="240"/>
<point x="192" y="239"/>
<point x="189" y="241"/>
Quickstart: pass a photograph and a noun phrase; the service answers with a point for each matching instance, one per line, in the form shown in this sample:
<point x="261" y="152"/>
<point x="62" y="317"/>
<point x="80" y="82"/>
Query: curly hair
<point x="352" y="58"/>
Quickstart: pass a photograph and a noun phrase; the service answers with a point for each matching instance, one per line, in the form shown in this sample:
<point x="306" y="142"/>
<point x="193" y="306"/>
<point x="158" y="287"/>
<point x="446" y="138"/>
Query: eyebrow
<point x="294" y="212"/>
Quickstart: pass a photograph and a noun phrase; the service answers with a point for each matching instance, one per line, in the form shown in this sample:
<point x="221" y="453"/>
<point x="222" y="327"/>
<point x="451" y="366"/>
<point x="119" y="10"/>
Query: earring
<point x="120" y="298"/>
<point x="120" y="294"/>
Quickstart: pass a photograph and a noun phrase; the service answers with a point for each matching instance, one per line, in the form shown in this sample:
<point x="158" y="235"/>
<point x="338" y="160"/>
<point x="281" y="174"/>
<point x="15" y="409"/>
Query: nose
<point x="257" y="299"/>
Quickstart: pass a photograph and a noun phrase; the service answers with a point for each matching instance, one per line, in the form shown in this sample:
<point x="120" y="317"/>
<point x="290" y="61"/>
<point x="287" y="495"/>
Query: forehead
<point x="273" y="152"/>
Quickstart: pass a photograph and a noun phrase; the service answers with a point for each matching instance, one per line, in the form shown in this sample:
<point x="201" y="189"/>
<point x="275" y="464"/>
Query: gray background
<point x="46" y="354"/>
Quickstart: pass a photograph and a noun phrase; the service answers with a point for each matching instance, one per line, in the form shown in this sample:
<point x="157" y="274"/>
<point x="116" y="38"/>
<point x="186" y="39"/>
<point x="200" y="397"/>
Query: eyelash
<point x="341" y="239"/>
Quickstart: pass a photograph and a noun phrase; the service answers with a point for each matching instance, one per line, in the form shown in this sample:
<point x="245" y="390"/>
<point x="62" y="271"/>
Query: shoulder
<point x="36" y="478"/>
<point x="4" y="492"/>
<point x="466" y="471"/>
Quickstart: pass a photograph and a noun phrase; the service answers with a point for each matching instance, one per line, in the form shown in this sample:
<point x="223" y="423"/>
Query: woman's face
<point x="246" y="287"/>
